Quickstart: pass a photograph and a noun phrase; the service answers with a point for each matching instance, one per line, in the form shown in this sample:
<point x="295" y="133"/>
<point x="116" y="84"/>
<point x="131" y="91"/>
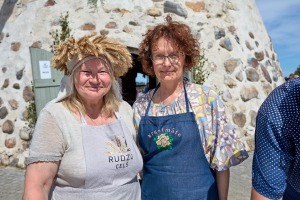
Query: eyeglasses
<point x="160" y="58"/>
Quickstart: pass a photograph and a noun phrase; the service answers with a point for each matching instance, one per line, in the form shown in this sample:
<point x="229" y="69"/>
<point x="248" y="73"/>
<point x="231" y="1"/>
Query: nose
<point x="167" y="60"/>
<point x="94" y="78"/>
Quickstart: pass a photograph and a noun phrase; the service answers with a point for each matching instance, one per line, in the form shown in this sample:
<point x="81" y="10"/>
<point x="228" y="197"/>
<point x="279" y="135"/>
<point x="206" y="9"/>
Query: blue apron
<point x="175" y="165"/>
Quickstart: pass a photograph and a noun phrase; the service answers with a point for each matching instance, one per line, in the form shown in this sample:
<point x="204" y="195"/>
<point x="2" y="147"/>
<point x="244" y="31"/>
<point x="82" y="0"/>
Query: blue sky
<point x="140" y="78"/>
<point x="282" y="21"/>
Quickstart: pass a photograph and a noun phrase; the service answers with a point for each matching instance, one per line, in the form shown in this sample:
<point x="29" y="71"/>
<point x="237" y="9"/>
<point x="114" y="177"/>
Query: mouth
<point x="94" y="88"/>
<point x="167" y="72"/>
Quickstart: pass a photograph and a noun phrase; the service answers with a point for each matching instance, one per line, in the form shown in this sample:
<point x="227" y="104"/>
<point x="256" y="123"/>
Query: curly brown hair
<point x="179" y="35"/>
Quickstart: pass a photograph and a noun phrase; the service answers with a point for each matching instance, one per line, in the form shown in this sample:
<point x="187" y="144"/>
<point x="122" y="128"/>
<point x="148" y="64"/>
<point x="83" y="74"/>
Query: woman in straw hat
<point x="83" y="146"/>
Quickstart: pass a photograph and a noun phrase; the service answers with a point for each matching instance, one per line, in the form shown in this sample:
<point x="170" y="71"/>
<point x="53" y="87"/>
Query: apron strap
<point x="117" y="114"/>
<point x="83" y="122"/>
<point x="186" y="98"/>
<point x="151" y="99"/>
<point x="155" y="90"/>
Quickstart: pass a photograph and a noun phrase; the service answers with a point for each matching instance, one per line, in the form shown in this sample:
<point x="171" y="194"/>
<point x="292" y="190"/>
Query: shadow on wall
<point x="6" y="11"/>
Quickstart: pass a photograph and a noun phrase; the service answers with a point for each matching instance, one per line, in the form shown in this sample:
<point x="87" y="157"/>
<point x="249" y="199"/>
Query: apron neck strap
<point x="83" y="122"/>
<point x="155" y="90"/>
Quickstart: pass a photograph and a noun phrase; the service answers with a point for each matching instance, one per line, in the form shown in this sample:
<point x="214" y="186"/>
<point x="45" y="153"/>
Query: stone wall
<point x="241" y="60"/>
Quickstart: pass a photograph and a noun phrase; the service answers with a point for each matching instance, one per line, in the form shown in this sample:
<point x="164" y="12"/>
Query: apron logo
<point x="164" y="141"/>
<point x="164" y="130"/>
<point x="119" y="146"/>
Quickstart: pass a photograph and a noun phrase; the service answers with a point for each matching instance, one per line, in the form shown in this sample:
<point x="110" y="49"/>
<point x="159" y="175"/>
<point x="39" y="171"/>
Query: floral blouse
<point x="220" y="143"/>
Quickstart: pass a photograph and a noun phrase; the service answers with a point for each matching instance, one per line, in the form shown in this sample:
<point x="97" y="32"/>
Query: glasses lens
<point x="173" y="58"/>
<point x="156" y="58"/>
<point x="159" y="58"/>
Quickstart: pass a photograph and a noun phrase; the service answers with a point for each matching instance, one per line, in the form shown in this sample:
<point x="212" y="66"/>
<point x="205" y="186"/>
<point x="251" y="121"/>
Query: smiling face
<point x="167" y="61"/>
<point x="93" y="80"/>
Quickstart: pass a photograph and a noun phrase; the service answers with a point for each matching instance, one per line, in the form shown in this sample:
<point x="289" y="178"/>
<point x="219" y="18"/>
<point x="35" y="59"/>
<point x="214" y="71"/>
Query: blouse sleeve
<point x="139" y="108"/>
<point x="136" y="118"/>
<point x="226" y="149"/>
<point x="47" y="143"/>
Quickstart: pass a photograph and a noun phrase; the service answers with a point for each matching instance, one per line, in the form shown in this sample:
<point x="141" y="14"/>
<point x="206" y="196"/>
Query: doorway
<point x="129" y="84"/>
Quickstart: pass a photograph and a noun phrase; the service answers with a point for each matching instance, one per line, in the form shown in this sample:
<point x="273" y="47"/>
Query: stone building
<point x="241" y="60"/>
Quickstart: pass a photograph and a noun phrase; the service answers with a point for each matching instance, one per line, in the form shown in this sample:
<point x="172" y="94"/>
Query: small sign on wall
<point x="45" y="69"/>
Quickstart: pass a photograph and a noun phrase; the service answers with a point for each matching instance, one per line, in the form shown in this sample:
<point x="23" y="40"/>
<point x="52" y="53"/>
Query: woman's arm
<point x="222" y="178"/>
<point x="38" y="180"/>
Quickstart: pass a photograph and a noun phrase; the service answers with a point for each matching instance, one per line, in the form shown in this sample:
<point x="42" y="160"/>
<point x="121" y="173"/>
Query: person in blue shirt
<point x="276" y="160"/>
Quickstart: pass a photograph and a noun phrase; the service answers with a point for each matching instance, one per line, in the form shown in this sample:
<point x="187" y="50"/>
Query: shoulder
<point x="54" y="108"/>
<point x="201" y="92"/>
<point x="126" y="113"/>
<point x="285" y="97"/>
<point x="125" y="108"/>
<point x="290" y="89"/>
<point x="202" y="89"/>
<point x="143" y="99"/>
<point x="57" y="113"/>
<point x="56" y="119"/>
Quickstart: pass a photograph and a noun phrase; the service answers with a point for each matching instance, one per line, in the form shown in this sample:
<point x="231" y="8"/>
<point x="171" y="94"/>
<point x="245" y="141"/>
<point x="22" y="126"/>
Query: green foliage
<point x="31" y="114"/>
<point x="199" y="73"/>
<point x="63" y="34"/>
<point x="297" y="72"/>
<point x="92" y="3"/>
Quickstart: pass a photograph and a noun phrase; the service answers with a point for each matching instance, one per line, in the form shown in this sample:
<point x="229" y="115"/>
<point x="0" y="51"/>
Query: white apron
<point x="112" y="164"/>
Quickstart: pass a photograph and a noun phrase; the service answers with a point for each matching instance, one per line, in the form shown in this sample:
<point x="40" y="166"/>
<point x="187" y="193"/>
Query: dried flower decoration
<point x="71" y="51"/>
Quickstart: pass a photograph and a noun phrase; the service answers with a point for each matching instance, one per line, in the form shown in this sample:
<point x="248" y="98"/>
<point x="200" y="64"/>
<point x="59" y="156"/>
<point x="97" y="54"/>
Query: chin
<point x="168" y="78"/>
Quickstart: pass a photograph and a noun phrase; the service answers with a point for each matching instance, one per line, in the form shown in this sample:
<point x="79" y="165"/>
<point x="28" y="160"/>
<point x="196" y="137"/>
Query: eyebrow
<point x="157" y="52"/>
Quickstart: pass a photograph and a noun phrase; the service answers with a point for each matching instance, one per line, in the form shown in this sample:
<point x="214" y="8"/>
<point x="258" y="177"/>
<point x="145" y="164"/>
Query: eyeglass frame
<point x="167" y="56"/>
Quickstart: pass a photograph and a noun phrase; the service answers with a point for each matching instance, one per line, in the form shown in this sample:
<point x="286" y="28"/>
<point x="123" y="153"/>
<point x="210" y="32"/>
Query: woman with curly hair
<point x="83" y="146"/>
<point x="187" y="143"/>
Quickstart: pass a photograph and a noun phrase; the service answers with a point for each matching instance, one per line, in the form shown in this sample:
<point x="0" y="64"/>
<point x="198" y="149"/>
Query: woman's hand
<point x="38" y="180"/>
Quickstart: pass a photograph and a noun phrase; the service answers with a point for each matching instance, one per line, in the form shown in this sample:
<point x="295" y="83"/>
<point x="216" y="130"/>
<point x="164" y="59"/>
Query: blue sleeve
<point x="272" y="156"/>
